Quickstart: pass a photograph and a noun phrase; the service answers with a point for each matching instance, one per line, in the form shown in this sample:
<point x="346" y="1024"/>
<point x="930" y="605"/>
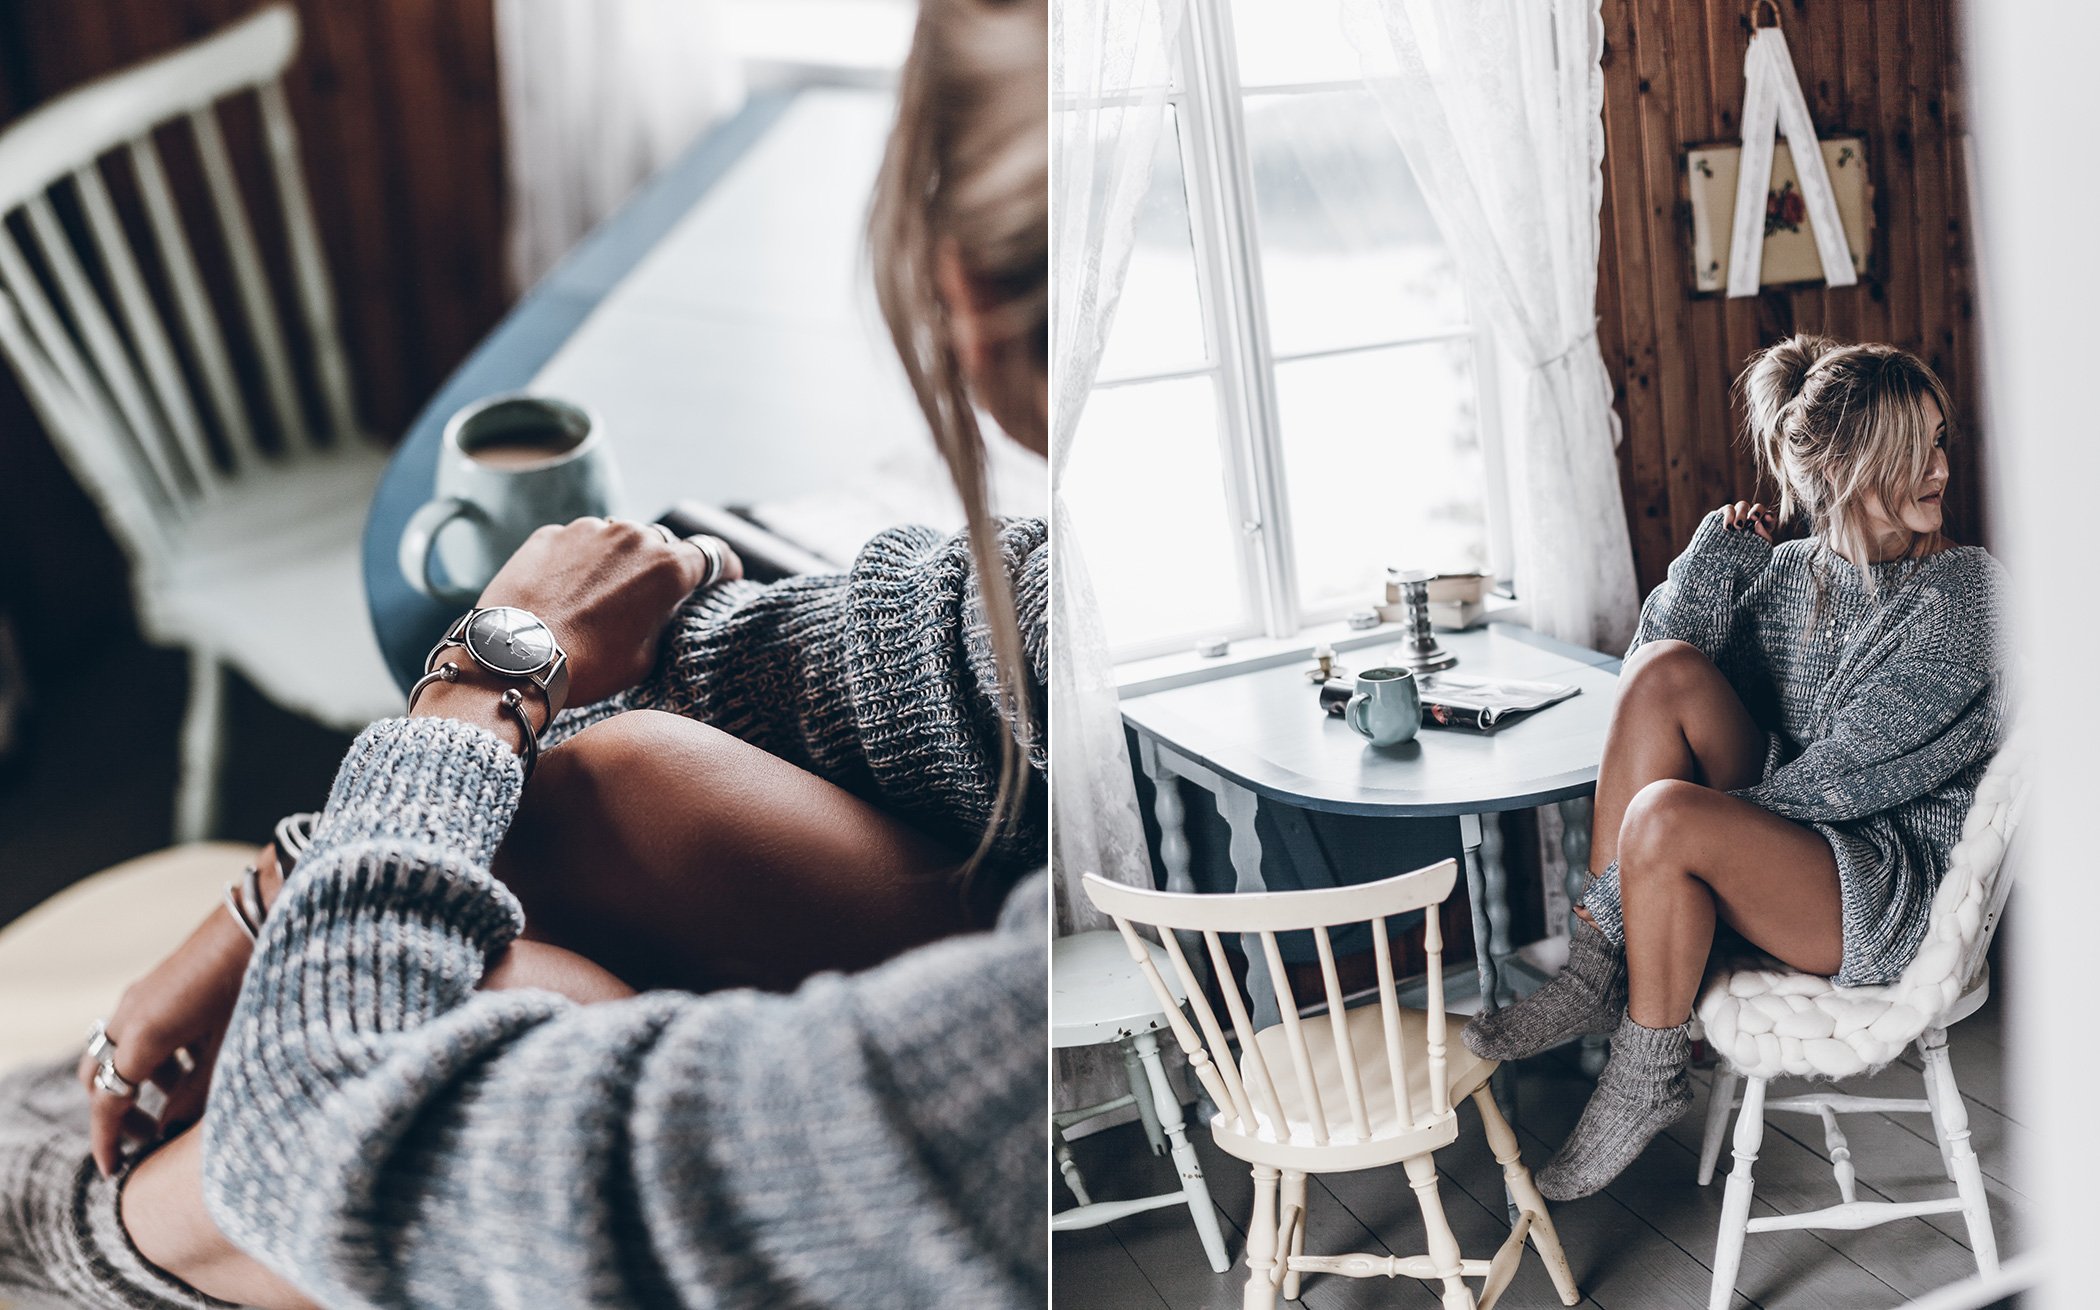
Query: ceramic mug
<point x="508" y="464"/>
<point x="1387" y="706"/>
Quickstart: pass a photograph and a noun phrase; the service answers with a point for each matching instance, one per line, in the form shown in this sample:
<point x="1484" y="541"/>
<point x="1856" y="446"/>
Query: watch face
<point x="510" y="641"/>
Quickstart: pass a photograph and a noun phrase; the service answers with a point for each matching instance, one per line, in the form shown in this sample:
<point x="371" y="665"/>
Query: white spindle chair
<point x="1767" y="1021"/>
<point x="245" y="555"/>
<point x="1355" y="1089"/>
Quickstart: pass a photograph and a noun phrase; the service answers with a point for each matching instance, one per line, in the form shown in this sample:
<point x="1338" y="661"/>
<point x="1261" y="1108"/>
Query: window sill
<point x="1185" y="668"/>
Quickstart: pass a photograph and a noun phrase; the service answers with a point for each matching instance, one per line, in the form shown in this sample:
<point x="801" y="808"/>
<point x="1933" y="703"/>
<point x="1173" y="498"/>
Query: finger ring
<point x="99" y="1043"/>
<point x="109" y="1080"/>
<point x="663" y="530"/>
<point x="716" y="565"/>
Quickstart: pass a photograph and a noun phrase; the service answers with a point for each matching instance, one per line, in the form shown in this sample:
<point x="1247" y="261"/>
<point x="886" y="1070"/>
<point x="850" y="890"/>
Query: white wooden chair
<point x="1356" y="1089"/>
<point x="241" y="551"/>
<point x="1766" y="1021"/>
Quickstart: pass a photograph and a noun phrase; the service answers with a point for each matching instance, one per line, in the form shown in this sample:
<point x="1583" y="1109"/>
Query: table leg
<point x="1575" y="815"/>
<point x="1167" y="810"/>
<point x="1237" y="804"/>
<point x="1480" y="895"/>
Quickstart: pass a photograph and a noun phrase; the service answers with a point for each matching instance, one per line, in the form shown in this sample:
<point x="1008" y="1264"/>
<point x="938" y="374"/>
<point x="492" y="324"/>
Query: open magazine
<point x="1453" y="700"/>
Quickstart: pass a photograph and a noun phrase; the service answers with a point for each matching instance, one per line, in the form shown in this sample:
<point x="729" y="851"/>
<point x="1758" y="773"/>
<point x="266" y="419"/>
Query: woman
<point x="411" y="1108"/>
<point x="1800" y="729"/>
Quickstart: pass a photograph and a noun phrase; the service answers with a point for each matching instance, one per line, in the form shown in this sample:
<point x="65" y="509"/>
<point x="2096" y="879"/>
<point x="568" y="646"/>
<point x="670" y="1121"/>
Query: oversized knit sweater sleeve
<point x="867" y="676"/>
<point x="1698" y="602"/>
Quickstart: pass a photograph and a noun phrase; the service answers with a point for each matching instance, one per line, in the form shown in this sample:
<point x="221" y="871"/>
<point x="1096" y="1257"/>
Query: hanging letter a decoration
<point x="1772" y="102"/>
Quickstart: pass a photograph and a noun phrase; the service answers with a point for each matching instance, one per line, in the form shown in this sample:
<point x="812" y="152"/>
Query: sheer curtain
<point x="596" y="98"/>
<point x="1499" y="106"/>
<point x="1110" y="62"/>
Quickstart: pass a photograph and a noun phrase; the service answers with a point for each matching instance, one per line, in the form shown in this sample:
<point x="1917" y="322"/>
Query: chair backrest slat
<point x="1345" y="1048"/>
<point x="1191" y="1044"/>
<point x="258" y="308"/>
<point x="148" y="337"/>
<point x="314" y="292"/>
<point x="1258" y="1099"/>
<point x="1213" y="1035"/>
<point x="1294" y="1038"/>
<point x="200" y="322"/>
<point x="1433" y="954"/>
<point x="1389" y="1017"/>
<point x="1243" y="1026"/>
<point x="105" y="351"/>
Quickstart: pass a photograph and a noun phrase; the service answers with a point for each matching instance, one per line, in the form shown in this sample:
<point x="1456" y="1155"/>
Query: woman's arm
<point x="879" y="679"/>
<point x="1697" y="602"/>
<point x="383" y="1134"/>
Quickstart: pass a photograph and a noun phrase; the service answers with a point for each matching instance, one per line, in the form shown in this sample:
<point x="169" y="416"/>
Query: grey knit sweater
<point x="1881" y="711"/>
<point x="384" y="1134"/>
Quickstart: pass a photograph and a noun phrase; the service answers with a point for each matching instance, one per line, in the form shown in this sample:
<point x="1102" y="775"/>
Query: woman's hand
<point x="1754" y="516"/>
<point x="607" y="589"/>
<point x="184" y="1004"/>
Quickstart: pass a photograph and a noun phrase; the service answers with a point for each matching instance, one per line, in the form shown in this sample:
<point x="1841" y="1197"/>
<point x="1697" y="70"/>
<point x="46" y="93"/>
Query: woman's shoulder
<point x="1954" y="604"/>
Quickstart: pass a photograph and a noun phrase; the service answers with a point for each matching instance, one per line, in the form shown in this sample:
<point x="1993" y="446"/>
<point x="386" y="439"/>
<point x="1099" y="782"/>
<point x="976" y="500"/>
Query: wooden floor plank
<point x="1119" y="1163"/>
<point x="1090" y="1270"/>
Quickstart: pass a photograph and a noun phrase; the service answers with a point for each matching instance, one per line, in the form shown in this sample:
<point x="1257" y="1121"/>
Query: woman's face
<point x="1920" y="512"/>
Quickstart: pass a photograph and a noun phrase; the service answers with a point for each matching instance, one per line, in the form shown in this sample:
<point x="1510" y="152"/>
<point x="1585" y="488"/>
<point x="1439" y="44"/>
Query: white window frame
<point x="1208" y="103"/>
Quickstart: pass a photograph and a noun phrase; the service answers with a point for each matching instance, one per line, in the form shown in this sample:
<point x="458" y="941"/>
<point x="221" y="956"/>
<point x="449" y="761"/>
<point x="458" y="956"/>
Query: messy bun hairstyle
<point x="1833" y="424"/>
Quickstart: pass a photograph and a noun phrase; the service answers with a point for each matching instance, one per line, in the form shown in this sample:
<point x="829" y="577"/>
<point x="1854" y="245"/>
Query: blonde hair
<point x="1833" y="424"/>
<point x="967" y="170"/>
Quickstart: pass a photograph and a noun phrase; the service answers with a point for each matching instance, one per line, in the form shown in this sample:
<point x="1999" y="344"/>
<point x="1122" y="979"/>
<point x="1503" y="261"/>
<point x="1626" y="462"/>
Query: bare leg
<point x="1689" y="857"/>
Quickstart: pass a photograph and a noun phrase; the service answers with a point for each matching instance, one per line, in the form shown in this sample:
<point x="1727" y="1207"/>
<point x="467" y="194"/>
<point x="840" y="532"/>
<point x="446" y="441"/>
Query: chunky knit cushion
<point x="1769" y="1021"/>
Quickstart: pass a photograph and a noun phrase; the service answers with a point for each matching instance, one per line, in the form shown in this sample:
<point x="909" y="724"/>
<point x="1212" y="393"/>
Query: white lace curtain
<point x="1499" y="106"/>
<point x="1110" y="62"/>
<point x="596" y="98"/>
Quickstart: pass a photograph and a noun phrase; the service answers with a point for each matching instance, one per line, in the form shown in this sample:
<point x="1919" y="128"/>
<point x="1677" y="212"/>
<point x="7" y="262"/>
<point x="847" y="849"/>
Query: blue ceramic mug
<point x="1387" y="706"/>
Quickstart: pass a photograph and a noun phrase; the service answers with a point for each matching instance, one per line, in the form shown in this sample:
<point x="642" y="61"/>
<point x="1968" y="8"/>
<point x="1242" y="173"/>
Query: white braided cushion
<point x="1768" y="1021"/>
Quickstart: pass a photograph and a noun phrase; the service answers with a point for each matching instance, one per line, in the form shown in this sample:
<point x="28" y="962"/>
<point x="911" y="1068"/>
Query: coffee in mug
<point x="509" y="464"/>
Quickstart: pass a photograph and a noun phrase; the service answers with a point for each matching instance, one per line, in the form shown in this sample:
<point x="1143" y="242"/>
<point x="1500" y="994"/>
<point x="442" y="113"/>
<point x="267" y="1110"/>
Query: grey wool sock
<point x="1646" y="1086"/>
<point x="62" y="1238"/>
<point x="1588" y="996"/>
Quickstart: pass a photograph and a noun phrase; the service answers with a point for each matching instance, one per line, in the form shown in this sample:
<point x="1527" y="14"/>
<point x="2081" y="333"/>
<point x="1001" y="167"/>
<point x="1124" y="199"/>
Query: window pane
<point x="1158" y="326"/>
<point x="1350" y="254"/>
<point x="1382" y="451"/>
<point x="1146" y="487"/>
<point x="1282" y="42"/>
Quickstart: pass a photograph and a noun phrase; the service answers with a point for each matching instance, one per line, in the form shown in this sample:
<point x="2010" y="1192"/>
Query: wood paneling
<point x="1673" y="72"/>
<point x="399" y="117"/>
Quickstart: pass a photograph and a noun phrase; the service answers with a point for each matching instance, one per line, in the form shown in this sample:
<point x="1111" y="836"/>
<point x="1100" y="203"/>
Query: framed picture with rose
<point x="1790" y="248"/>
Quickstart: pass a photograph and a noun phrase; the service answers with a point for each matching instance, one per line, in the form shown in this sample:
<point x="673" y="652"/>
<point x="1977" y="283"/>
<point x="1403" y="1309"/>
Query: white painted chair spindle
<point x="1766" y="1021"/>
<point x="236" y="556"/>
<point x="1330" y="1113"/>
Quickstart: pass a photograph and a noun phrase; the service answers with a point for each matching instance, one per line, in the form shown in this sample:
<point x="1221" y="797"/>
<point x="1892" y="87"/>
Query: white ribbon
<point x="1772" y="102"/>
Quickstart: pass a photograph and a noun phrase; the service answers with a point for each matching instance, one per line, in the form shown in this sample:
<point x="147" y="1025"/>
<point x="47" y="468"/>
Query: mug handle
<point x="1353" y="714"/>
<point x="419" y="539"/>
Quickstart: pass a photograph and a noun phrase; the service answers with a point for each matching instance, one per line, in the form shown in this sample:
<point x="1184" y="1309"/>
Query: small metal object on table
<point x="1261" y="736"/>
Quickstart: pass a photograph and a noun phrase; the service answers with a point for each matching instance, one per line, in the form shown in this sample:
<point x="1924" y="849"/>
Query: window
<point x="1291" y="397"/>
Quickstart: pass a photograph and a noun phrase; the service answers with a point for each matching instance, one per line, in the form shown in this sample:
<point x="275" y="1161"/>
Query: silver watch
<point x="510" y="643"/>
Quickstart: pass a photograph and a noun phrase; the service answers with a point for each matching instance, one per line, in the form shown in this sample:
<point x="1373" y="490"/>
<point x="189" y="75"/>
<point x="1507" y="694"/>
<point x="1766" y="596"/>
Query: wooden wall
<point x="398" y="108"/>
<point x="1888" y="69"/>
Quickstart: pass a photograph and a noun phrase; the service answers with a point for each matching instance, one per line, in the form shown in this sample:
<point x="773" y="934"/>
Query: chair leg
<point x="1932" y="1098"/>
<point x="1735" y="1205"/>
<point x="1067" y="1166"/>
<point x="203" y="734"/>
<point x="1261" y="1243"/>
<point x="1951" y="1122"/>
<point x="1443" y="1243"/>
<point x="1517" y="1179"/>
<point x="1718" y="1105"/>
<point x="1159" y="1093"/>
<point x="1148" y="1113"/>
<point x="1293" y="1197"/>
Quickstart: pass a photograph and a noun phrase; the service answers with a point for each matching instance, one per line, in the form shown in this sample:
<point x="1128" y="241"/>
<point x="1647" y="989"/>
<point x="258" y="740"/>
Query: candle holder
<point x="1420" y="652"/>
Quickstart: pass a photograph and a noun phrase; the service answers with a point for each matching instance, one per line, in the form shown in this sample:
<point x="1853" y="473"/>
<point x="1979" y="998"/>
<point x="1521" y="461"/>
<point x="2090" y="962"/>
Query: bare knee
<point x="1665" y="669"/>
<point x="1652" y="835"/>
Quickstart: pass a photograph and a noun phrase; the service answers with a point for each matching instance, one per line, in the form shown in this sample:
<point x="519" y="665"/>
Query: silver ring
<point x="716" y="565"/>
<point x="99" y="1043"/>
<point x="109" y="1080"/>
<point x="664" y="530"/>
